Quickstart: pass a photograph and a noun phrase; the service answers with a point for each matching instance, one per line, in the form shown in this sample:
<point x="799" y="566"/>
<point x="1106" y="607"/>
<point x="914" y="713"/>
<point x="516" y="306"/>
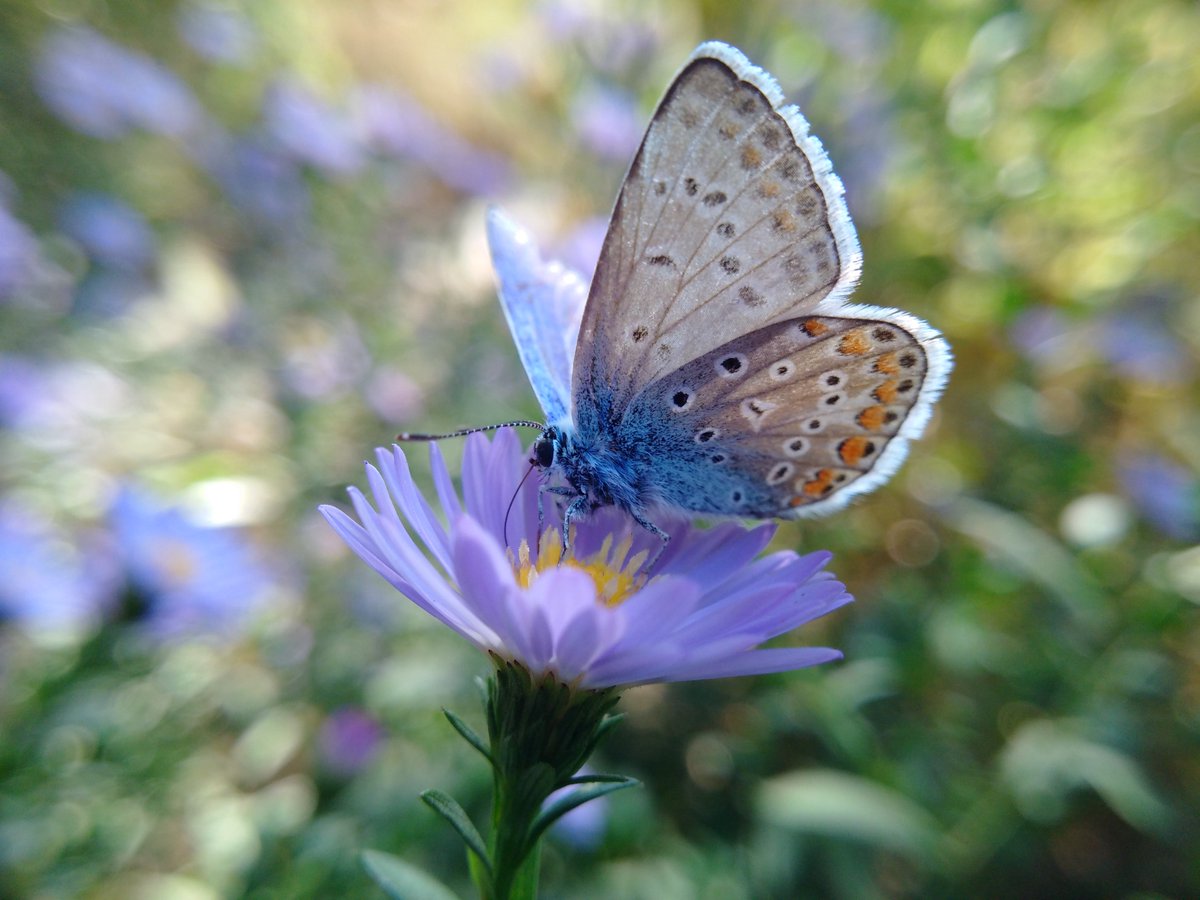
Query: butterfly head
<point x="547" y="448"/>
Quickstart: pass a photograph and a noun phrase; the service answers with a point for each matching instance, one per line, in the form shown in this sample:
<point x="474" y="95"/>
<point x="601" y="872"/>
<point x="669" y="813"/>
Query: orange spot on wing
<point x="886" y="392"/>
<point x="872" y="418"/>
<point x="797" y="501"/>
<point x="769" y="189"/>
<point x="751" y="158"/>
<point x="854" y="343"/>
<point x="814" y="328"/>
<point x="853" y="450"/>
<point x="888" y="364"/>
<point x="819" y="483"/>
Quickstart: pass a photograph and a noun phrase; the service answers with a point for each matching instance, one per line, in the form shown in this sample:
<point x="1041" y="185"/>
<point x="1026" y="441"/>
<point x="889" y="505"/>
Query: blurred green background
<point x="242" y="244"/>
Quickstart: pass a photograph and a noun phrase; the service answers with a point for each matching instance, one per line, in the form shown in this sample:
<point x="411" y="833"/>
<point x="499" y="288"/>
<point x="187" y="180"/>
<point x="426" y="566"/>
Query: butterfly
<point x="716" y="366"/>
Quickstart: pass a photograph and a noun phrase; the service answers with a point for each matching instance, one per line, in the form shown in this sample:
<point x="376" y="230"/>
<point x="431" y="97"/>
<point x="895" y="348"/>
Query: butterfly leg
<point x="550" y="489"/>
<point x="579" y="505"/>
<point x="656" y="531"/>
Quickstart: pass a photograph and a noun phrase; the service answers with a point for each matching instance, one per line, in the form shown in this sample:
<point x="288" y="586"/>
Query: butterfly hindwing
<point x="793" y="419"/>
<point x="729" y="219"/>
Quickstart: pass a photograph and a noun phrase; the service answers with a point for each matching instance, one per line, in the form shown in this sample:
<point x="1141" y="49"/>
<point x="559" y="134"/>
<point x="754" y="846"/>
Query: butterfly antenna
<point x="519" y="423"/>
<point x="513" y="501"/>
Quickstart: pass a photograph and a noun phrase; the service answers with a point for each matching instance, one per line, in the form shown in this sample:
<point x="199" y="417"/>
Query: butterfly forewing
<point x="729" y="219"/>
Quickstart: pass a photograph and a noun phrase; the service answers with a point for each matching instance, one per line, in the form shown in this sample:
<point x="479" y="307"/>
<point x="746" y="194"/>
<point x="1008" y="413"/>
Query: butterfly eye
<point x="704" y="435"/>
<point x="795" y="447"/>
<point x="782" y="370"/>
<point x="731" y="365"/>
<point x="780" y="473"/>
<point x="681" y="400"/>
<point x="543" y="453"/>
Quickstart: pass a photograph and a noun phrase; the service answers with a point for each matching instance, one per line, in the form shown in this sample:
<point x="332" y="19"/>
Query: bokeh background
<point x="241" y="244"/>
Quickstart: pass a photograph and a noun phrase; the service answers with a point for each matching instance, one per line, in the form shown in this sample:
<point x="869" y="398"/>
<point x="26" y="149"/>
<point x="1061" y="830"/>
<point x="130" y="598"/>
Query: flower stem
<point x="541" y="732"/>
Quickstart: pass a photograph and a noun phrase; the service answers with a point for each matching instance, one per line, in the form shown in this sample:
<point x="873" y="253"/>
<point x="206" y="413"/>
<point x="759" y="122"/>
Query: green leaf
<point x="570" y="801"/>
<point x="596" y="778"/>
<point x="447" y="807"/>
<point x="1045" y="762"/>
<point x="468" y="734"/>
<point x="832" y="803"/>
<point x="608" y="724"/>
<point x="402" y="881"/>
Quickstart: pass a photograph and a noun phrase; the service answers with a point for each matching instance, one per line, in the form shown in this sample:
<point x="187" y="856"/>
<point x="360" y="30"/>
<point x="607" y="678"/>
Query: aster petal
<point x="660" y="608"/>
<point x="565" y="600"/>
<point x="756" y="662"/>
<point x="418" y="512"/>
<point x="443" y="484"/>
<point x="766" y="609"/>
<point x="394" y="546"/>
<point x="586" y="638"/>
<point x="642" y="664"/>
<point x="711" y="557"/>
<point x="485" y="578"/>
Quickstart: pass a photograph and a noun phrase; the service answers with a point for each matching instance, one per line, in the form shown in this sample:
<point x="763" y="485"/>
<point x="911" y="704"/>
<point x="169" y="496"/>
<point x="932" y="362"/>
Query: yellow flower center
<point x="617" y="576"/>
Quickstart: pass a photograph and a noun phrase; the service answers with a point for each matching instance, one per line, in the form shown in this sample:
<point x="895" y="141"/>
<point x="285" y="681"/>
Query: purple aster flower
<point x="311" y="131"/>
<point x="218" y="34"/>
<point x="608" y="122"/>
<point x="603" y="616"/>
<point x="397" y="125"/>
<point x="103" y="89"/>
<point x="51" y="584"/>
<point x="580" y="249"/>
<point x="1166" y="494"/>
<point x="194" y="578"/>
<point x="20" y="255"/>
<point x="260" y="179"/>
<point x="112" y="232"/>
<point x="350" y="738"/>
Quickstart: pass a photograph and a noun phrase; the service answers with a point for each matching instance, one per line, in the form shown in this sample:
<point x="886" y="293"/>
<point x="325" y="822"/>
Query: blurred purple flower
<point x="20" y="255"/>
<point x="580" y="249"/>
<point x="109" y="230"/>
<point x="608" y="122"/>
<point x="217" y="33"/>
<point x="50" y="584"/>
<point x="105" y="90"/>
<point x="860" y="36"/>
<point x="310" y="130"/>
<point x="350" y="738"/>
<point x="1134" y="339"/>
<point x="1140" y="344"/>
<point x="396" y="125"/>
<point x="612" y="40"/>
<point x="55" y="397"/>
<point x="1166" y="494"/>
<point x="260" y="180"/>
<point x="603" y="617"/>
<point x="394" y="396"/>
<point x="110" y="292"/>
<point x="194" y="579"/>
<point x="324" y="359"/>
<point x="1045" y="336"/>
